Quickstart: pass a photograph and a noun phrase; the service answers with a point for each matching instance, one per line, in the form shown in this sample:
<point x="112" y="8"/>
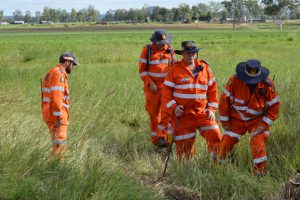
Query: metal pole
<point x="170" y="148"/>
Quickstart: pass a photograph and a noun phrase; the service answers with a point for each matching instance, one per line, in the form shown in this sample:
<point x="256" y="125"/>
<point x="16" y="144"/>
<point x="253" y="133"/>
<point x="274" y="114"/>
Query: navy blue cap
<point x="68" y="56"/>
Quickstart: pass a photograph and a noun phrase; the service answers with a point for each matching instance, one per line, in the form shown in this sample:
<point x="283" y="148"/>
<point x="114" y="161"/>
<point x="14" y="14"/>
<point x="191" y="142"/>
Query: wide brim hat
<point x="248" y="78"/>
<point x="160" y="36"/>
<point x="187" y="46"/>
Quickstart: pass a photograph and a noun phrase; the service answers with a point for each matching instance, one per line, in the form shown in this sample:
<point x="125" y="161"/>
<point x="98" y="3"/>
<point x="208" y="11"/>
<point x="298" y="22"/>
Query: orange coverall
<point x="195" y="94"/>
<point x="159" y="63"/>
<point x="55" y="104"/>
<point x="244" y="111"/>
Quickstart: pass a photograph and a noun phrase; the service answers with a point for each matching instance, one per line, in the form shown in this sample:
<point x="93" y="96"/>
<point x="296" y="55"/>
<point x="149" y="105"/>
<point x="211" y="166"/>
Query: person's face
<point x="189" y="57"/>
<point x="69" y="66"/>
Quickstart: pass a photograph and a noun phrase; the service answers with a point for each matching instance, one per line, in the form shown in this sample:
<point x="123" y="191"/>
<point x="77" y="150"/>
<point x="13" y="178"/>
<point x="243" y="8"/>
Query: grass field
<point x="110" y="155"/>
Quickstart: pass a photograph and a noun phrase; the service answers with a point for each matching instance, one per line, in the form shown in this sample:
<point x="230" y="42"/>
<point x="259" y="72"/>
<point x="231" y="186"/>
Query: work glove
<point x="153" y="87"/>
<point x="227" y="128"/>
<point x="210" y="115"/>
<point x="58" y="123"/>
<point x="179" y="110"/>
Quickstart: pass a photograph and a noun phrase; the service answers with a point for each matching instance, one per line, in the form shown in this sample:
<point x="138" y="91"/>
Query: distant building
<point x="4" y="23"/>
<point x="18" y="22"/>
<point x="46" y="22"/>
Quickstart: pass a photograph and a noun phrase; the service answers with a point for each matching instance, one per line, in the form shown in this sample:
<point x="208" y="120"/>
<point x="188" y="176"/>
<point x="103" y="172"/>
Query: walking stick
<point x="170" y="148"/>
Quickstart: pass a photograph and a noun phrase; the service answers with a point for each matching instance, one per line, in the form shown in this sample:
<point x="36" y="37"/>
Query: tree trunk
<point x="280" y="24"/>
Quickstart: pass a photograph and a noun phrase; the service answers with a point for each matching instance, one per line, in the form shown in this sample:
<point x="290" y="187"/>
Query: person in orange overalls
<point x="56" y="102"/>
<point x="249" y="103"/>
<point x="154" y="63"/>
<point x="190" y="94"/>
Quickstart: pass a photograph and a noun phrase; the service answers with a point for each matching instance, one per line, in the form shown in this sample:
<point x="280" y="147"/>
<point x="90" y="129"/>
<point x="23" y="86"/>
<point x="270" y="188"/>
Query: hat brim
<point x="179" y="52"/>
<point x="75" y="63"/>
<point x="240" y="71"/>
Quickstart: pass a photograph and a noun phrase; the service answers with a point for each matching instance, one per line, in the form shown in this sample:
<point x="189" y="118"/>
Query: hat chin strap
<point x="252" y="75"/>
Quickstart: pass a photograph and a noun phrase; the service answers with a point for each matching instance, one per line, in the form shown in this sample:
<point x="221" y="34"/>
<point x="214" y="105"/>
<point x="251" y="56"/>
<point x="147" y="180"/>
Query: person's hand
<point x="260" y="129"/>
<point x="179" y="110"/>
<point x="210" y="115"/>
<point x="227" y="128"/>
<point x="153" y="87"/>
<point x="58" y="123"/>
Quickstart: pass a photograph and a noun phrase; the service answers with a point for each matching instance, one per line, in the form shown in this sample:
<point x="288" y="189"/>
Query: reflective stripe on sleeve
<point x="57" y="113"/>
<point x="210" y="82"/>
<point x="224" y="118"/>
<point x="153" y="134"/>
<point x="57" y="88"/>
<point x="155" y="62"/>
<point x="65" y="105"/>
<point x="273" y="101"/>
<point x="157" y="74"/>
<point x="189" y="96"/>
<point x="46" y="89"/>
<point x="46" y="99"/>
<point x="268" y="121"/>
<point x="184" y="137"/>
<point x="142" y="60"/>
<point x="142" y="74"/>
<point x="66" y="97"/>
<point x="168" y="83"/>
<point x="161" y="127"/>
<point x="260" y="160"/>
<point x="232" y="134"/>
<point x="172" y="102"/>
<point x="213" y="104"/>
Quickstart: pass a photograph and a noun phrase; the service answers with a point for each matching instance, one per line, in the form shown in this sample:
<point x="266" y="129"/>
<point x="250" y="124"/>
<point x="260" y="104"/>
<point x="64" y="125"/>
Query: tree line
<point x="235" y="11"/>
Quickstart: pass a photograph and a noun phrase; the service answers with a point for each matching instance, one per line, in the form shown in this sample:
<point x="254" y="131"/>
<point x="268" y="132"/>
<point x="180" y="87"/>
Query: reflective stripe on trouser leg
<point x="258" y="150"/>
<point x="59" y="140"/>
<point x="212" y="135"/>
<point x="227" y="145"/>
<point x="185" y="149"/>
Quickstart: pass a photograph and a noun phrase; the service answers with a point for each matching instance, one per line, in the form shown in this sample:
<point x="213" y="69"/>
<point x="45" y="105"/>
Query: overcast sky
<point x="9" y="6"/>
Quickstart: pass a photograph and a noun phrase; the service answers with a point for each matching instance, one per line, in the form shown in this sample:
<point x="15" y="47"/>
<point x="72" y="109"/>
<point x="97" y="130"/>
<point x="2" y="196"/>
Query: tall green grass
<point x="110" y="155"/>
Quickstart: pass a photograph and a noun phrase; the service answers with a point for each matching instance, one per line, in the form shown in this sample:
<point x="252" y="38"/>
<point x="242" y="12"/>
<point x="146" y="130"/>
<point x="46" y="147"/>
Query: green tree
<point x="18" y="15"/>
<point x="28" y="17"/>
<point x="234" y="9"/>
<point x="63" y="15"/>
<point x="215" y="10"/>
<point x="73" y="15"/>
<point x="92" y="14"/>
<point x="82" y="15"/>
<point x="185" y="12"/>
<point x="1" y="16"/>
<point x="278" y="8"/>
<point x="38" y="15"/>
<point x="109" y="15"/>
<point x="253" y="8"/>
<point x="46" y="16"/>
